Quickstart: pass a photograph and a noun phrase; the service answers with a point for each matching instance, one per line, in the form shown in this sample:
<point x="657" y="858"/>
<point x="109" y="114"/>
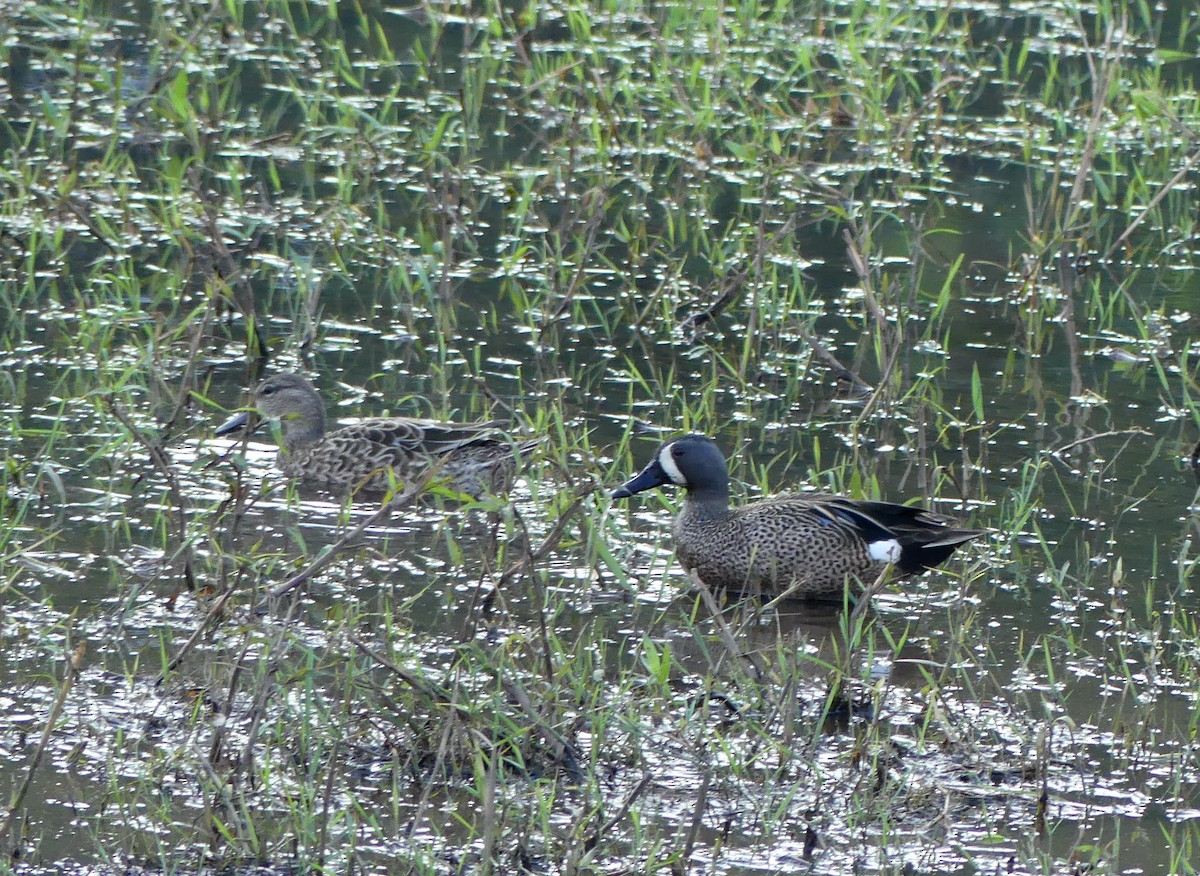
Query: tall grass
<point x="885" y="251"/>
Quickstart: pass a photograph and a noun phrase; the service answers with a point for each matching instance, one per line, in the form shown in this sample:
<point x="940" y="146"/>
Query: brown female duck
<point x="471" y="458"/>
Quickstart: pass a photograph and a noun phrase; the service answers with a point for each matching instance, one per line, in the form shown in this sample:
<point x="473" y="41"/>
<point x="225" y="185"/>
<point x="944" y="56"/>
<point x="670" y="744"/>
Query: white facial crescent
<point x="669" y="466"/>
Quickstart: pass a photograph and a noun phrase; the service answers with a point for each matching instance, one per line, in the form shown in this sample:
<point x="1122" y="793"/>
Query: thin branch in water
<point x="1065" y="447"/>
<point x="74" y="664"/>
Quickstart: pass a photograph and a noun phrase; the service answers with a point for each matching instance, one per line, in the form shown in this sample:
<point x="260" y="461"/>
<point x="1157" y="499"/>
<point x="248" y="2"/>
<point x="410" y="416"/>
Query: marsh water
<point x="919" y="254"/>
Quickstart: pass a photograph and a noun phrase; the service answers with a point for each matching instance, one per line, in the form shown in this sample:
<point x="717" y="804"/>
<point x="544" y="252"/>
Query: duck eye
<point x="266" y="390"/>
<point x="677" y="451"/>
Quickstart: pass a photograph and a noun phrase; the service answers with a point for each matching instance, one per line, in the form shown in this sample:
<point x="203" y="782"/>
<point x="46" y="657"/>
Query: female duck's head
<point x="293" y="401"/>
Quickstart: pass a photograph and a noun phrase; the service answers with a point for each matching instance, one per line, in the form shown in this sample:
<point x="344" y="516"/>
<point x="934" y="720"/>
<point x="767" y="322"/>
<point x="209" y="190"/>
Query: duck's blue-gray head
<point x="693" y="462"/>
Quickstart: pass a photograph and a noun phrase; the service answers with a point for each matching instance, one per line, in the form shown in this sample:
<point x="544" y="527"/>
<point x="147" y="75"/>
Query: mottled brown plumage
<point x="472" y="458"/>
<point x="810" y="545"/>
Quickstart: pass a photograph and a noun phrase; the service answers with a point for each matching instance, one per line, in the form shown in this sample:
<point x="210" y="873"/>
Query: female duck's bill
<point x="236" y="423"/>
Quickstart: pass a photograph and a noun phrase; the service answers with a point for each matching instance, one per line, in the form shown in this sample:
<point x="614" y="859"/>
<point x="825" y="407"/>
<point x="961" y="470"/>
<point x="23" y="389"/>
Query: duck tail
<point x="923" y="538"/>
<point x="924" y="550"/>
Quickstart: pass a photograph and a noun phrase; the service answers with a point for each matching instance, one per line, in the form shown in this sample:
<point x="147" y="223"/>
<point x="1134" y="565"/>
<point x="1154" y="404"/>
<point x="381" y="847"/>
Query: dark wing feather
<point x="926" y="538"/>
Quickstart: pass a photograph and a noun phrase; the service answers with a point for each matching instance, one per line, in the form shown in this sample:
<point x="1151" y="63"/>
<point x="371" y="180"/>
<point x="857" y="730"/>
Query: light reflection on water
<point x="112" y="601"/>
<point x="1067" y="611"/>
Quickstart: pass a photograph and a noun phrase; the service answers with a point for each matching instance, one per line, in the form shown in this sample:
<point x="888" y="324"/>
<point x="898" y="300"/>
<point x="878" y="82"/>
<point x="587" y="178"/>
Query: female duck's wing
<point x="424" y="438"/>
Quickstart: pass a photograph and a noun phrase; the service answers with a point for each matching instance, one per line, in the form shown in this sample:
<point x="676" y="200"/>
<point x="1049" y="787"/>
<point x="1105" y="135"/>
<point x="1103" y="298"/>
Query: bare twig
<point x="163" y="466"/>
<point x="327" y="556"/>
<point x="215" y="612"/>
<point x="728" y="638"/>
<point x="565" y="753"/>
<point x="439" y="761"/>
<point x="1097" y="437"/>
<point x="734" y="289"/>
<point x="74" y="663"/>
<point x="414" y="681"/>
<point x="1164" y="190"/>
<point x="595" y="836"/>
<point x="549" y="543"/>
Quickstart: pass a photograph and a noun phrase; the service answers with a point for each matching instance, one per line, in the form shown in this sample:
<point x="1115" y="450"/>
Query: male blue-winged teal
<point x="808" y="545"/>
<point x="472" y="458"/>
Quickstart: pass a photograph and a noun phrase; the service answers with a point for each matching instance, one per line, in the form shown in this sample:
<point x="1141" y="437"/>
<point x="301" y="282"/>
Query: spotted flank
<point x="809" y="545"/>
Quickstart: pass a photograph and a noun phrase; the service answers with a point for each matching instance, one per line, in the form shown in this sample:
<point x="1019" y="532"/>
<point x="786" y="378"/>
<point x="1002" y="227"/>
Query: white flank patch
<point x="884" y="551"/>
<point x="669" y="466"/>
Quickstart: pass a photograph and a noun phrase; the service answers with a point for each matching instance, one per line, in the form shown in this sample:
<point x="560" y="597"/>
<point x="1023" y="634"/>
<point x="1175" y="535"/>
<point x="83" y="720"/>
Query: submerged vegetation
<point x="890" y="251"/>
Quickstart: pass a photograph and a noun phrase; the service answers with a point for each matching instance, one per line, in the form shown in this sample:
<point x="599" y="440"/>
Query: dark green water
<point x="501" y="212"/>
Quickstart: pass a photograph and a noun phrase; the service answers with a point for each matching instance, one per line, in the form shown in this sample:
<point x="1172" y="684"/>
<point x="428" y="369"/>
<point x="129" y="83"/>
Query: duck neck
<point x="708" y="502"/>
<point x="298" y="431"/>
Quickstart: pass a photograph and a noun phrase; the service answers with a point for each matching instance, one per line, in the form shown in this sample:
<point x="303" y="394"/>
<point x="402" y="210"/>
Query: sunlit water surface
<point x="1068" y="716"/>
